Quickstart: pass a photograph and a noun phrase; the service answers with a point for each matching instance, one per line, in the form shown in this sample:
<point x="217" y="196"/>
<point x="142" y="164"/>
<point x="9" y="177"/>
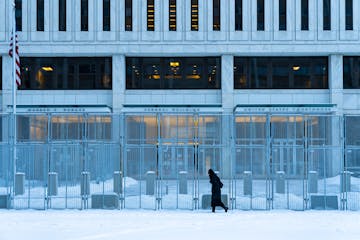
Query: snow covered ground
<point x="173" y="225"/>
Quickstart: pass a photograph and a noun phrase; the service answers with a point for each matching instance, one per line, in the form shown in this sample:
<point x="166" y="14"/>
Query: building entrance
<point x="277" y="157"/>
<point x="167" y="158"/>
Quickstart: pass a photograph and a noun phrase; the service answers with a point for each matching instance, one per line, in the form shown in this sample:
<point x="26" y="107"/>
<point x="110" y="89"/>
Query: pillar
<point x="227" y="101"/>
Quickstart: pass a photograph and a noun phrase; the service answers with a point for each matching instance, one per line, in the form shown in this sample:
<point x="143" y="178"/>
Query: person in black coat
<point x="216" y="186"/>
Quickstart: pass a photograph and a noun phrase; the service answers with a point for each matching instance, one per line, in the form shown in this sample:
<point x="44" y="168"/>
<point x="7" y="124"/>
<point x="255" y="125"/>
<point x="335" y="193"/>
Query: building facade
<point x="151" y="93"/>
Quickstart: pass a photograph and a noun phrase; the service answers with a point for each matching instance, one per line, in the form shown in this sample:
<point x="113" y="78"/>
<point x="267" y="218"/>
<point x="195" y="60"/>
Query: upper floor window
<point x="173" y="73"/>
<point x="84" y="15"/>
<point x="280" y="73"/>
<point x="56" y="73"/>
<point x="238" y="15"/>
<point x="216" y="15"/>
<point x="304" y="15"/>
<point x="194" y="15"/>
<point x="351" y="72"/>
<point x="282" y="15"/>
<point x="18" y="14"/>
<point x="128" y="15"/>
<point x="172" y="15"/>
<point x="150" y="15"/>
<point x="106" y="15"/>
<point x="260" y="15"/>
<point x="62" y="15"/>
<point x="349" y="14"/>
<point x="326" y="15"/>
<point x="40" y="15"/>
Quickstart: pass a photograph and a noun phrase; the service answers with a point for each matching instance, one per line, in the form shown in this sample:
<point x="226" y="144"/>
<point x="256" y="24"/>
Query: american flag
<point x="17" y="59"/>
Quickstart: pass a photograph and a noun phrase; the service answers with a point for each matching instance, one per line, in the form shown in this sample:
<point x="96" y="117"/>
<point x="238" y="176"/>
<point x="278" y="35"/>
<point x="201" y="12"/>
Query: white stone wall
<point x="227" y="43"/>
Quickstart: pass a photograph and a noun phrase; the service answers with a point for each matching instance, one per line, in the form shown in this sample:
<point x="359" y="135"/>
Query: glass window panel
<point x="351" y="72"/>
<point x="282" y="15"/>
<point x="128" y="15"/>
<point x="0" y="73"/>
<point x="67" y="127"/>
<point x="259" y="73"/>
<point x="62" y="15"/>
<point x="150" y="15"/>
<point x="40" y="15"/>
<point x="260" y="15"/>
<point x="238" y="15"/>
<point x="281" y="73"/>
<point x="18" y="14"/>
<point x="194" y="15"/>
<point x="241" y="73"/>
<point x="84" y="15"/>
<point x="106" y="15"/>
<point x="173" y="73"/>
<point x="216" y="15"/>
<point x="172" y="15"/>
<point x="349" y="15"/>
<point x="326" y="15"/>
<point x="304" y="15"/>
<point x="66" y="73"/>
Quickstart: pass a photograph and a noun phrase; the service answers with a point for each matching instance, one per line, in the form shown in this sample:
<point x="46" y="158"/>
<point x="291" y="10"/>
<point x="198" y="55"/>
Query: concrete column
<point x="336" y="81"/>
<point x="336" y="97"/>
<point x="227" y="101"/>
<point x="118" y="82"/>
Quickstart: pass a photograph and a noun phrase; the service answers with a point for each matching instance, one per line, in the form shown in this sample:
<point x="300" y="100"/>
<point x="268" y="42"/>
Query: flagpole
<point x="14" y="90"/>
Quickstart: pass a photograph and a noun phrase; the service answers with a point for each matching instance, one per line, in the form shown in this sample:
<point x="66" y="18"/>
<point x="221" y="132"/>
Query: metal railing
<point x="160" y="161"/>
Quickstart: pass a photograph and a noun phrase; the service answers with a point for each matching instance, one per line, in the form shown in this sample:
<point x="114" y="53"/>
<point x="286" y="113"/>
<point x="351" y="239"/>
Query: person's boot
<point x="213" y="209"/>
<point x="226" y="208"/>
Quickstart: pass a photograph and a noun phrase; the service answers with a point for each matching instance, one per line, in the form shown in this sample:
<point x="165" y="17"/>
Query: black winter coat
<point x="216" y="186"/>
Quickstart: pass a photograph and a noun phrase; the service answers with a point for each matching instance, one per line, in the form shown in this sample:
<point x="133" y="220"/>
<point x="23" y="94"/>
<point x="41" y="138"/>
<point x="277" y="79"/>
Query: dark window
<point x="150" y="15"/>
<point x="238" y="15"/>
<point x="304" y="15"/>
<point x="326" y="15"/>
<point x="128" y="15"/>
<point x="216" y="15"/>
<point x="65" y="73"/>
<point x="194" y="15"/>
<point x="282" y="15"/>
<point x="260" y="15"/>
<point x="172" y="15"/>
<point x="84" y="15"/>
<point x="106" y="15"/>
<point x="351" y="72"/>
<point x="40" y="15"/>
<point x="280" y="73"/>
<point x="349" y="15"/>
<point x="62" y="15"/>
<point x="0" y="73"/>
<point x="18" y="14"/>
<point x="173" y="73"/>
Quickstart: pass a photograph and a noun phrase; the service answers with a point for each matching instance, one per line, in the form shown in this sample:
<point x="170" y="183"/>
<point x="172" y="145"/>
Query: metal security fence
<point x="160" y="161"/>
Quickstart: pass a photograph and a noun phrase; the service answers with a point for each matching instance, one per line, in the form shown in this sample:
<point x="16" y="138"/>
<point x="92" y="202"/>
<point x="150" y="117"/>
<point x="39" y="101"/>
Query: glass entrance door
<point x="287" y="162"/>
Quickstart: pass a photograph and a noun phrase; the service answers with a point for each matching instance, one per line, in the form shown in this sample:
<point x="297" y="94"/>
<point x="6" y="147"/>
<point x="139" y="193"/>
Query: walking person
<point x="216" y="186"/>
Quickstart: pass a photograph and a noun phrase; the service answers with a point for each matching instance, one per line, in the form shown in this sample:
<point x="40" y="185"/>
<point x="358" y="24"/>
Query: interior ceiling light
<point x="174" y="64"/>
<point x="296" y="68"/>
<point x="47" y="69"/>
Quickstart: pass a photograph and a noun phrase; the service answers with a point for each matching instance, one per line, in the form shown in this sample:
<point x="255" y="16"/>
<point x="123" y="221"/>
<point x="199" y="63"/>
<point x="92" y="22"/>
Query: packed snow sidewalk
<point x="184" y="225"/>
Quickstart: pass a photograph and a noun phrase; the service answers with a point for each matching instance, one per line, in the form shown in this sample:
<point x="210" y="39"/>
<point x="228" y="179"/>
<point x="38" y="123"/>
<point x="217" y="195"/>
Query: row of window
<point x="66" y="73"/>
<point x="194" y="15"/>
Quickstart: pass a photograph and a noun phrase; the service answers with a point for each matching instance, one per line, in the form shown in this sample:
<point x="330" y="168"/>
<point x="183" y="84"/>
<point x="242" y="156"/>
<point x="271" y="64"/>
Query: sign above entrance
<point x="285" y="109"/>
<point x="167" y="109"/>
<point x="63" y="109"/>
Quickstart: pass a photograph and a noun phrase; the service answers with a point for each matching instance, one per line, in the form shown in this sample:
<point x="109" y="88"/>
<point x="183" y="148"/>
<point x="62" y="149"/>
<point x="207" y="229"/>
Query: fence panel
<point x="65" y="166"/>
<point x="31" y="171"/>
<point x="352" y="162"/>
<point x="103" y="165"/>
